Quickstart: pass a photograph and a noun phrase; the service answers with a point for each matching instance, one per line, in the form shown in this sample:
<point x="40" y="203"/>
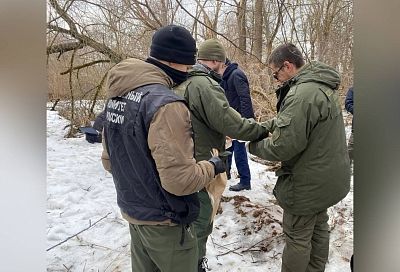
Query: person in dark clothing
<point x="93" y="133"/>
<point x="99" y="121"/>
<point x="352" y="263"/>
<point x="348" y="104"/>
<point x="148" y="148"/>
<point x="236" y="87"/>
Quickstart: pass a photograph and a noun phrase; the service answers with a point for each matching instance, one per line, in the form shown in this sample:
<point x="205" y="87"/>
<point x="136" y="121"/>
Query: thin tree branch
<point x="64" y="15"/>
<point x="83" y="66"/>
<point x="102" y="48"/>
<point x="64" y="47"/>
<point x="218" y="33"/>
<point x="72" y="236"/>
<point x="295" y="31"/>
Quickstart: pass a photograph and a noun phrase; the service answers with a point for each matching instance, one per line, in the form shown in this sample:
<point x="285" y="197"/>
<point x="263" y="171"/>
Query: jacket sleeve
<point x="99" y="121"/>
<point x="241" y="85"/>
<point x="213" y="108"/>
<point x="290" y="132"/>
<point x="348" y="103"/>
<point x="171" y="145"/>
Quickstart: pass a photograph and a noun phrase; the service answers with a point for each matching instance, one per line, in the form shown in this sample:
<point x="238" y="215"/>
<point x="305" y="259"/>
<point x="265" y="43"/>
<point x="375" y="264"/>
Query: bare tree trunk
<point x="241" y="18"/>
<point x="103" y="32"/>
<point x="258" y="22"/>
<point x="72" y="128"/>
<point x="273" y="27"/>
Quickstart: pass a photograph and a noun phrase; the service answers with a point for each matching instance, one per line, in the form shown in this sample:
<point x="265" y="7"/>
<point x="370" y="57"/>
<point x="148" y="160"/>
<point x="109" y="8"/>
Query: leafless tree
<point x="85" y="38"/>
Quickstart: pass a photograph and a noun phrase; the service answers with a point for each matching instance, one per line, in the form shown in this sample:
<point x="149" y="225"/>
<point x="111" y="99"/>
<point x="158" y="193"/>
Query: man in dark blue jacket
<point x="348" y="104"/>
<point x="236" y="87"/>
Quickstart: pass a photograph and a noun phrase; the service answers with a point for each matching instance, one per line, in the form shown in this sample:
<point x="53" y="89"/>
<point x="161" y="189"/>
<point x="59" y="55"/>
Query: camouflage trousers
<point x="307" y="242"/>
<point x="159" y="249"/>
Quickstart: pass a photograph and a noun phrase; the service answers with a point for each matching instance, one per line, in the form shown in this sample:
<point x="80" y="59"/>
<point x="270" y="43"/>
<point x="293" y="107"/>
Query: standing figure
<point x="236" y="87"/>
<point x="148" y="148"/>
<point x="308" y="138"/>
<point x="212" y="120"/>
<point x="348" y="103"/>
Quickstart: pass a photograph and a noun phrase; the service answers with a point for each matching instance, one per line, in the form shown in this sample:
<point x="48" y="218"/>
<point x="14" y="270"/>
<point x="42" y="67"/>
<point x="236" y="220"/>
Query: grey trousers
<point x="307" y="242"/>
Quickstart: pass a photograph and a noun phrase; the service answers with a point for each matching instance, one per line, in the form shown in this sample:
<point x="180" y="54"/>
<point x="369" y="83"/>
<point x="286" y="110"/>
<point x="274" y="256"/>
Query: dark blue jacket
<point x="348" y="103"/>
<point x="138" y="186"/>
<point x="236" y="87"/>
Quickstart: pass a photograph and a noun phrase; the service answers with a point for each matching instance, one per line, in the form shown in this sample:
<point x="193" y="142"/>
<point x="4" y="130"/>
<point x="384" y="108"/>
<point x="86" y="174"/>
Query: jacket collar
<point x="231" y="67"/>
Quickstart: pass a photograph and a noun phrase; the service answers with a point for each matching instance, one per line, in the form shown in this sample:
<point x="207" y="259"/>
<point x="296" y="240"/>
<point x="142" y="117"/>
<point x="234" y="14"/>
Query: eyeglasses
<point x="275" y="74"/>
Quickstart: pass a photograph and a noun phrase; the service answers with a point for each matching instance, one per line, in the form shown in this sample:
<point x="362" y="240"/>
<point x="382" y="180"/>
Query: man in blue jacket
<point x="348" y="103"/>
<point x="236" y="87"/>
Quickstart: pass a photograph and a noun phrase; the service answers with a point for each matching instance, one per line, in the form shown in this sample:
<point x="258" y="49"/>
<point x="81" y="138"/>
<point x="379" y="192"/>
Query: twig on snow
<point x="268" y="238"/>
<point x="249" y="248"/>
<point x="68" y="268"/>
<point x="227" y="248"/>
<point x="72" y="236"/>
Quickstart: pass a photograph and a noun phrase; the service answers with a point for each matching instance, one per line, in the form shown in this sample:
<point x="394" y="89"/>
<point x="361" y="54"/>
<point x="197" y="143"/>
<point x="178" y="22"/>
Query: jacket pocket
<point x="284" y="190"/>
<point x="281" y="122"/>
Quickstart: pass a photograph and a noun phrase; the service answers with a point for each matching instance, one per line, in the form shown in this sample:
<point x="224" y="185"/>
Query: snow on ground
<point x="85" y="231"/>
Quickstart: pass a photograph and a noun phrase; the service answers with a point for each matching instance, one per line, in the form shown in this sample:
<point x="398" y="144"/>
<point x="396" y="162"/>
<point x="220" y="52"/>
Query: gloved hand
<point x="219" y="165"/>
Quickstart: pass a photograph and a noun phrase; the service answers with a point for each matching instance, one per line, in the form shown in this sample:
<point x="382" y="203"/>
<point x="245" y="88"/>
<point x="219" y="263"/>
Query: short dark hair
<point x="286" y="52"/>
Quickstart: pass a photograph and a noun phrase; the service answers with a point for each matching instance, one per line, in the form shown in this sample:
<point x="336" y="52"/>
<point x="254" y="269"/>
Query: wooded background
<point x="85" y="38"/>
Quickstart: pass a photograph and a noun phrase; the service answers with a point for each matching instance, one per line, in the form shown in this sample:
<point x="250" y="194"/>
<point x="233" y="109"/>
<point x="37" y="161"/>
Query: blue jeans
<point x="239" y="151"/>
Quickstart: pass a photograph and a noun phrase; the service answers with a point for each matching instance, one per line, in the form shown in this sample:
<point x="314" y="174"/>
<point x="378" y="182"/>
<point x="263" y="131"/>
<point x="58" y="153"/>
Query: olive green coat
<point x="308" y="137"/>
<point x="212" y="117"/>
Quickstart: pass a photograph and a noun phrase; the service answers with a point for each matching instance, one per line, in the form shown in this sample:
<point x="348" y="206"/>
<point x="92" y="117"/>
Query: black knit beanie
<point x="175" y="44"/>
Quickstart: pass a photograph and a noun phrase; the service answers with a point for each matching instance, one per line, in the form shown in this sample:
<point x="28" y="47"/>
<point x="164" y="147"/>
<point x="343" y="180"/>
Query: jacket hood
<point x="199" y="69"/>
<point x="131" y="73"/>
<point x="229" y="70"/>
<point x="316" y="71"/>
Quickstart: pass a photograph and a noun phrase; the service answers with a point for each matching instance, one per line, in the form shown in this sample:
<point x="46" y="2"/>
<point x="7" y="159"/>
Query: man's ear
<point x="287" y="63"/>
<point x="290" y="66"/>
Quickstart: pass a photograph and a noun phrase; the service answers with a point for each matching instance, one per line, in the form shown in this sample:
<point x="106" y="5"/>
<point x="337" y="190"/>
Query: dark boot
<point x="239" y="187"/>
<point x="203" y="265"/>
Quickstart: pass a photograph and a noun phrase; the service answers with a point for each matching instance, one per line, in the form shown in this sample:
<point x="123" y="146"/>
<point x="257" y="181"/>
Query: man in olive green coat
<point x="212" y="120"/>
<point x="308" y="137"/>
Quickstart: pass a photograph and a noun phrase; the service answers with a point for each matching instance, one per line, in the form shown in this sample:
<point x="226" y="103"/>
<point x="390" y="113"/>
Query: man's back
<point x="212" y="118"/>
<point x="237" y="91"/>
<point x="135" y="113"/>
<point x="148" y="148"/>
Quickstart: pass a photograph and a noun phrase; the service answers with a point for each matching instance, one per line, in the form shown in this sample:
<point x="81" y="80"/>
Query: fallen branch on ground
<point x="72" y="236"/>
<point x="268" y="238"/>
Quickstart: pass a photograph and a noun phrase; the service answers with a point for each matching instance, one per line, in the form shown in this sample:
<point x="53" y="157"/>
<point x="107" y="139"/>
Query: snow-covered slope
<point x="85" y="231"/>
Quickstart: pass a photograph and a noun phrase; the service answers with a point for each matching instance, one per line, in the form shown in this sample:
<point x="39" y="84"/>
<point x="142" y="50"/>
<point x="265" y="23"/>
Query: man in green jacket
<point x="308" y="137"/>
<point x="212" y="120"/>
